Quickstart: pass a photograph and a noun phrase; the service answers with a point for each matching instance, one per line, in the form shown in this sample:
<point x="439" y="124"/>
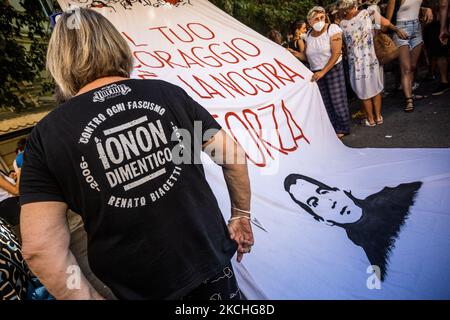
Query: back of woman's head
<point x="275" y="36"/>
<point x="85" y="46"/>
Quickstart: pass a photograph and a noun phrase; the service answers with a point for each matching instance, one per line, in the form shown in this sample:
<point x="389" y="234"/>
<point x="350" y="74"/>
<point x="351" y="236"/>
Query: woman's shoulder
<point x="334" y="29"/>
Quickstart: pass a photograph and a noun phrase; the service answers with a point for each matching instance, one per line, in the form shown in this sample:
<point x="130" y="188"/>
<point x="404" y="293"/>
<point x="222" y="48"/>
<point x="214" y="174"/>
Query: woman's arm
<point x="45" y="248"/>
<point x="443" y="15"/>
<point x="298" y="54"/>
<point x="336" y="51"/>
<point x="224" y="151"/>
<point x="427" y="15"/>
<point x="385" y="23"/>
<point x="8" y="186"/>
<point x="301" y="45"/>
<point x="390" y="10"/>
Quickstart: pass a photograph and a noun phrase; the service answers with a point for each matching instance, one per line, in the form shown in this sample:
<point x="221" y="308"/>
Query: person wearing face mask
<point x="366" y="73"/>
<point x="373" y="223"/>
<point x="323" y="51"/>
<point x="300" y="30"/>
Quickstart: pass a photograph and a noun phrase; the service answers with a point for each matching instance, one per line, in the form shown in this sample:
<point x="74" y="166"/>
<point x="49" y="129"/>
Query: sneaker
<point x="441" y="89"/>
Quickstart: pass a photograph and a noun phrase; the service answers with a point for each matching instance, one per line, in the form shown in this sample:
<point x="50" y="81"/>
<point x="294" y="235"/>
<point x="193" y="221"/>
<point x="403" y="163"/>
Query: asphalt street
<point x="427" y="127"/>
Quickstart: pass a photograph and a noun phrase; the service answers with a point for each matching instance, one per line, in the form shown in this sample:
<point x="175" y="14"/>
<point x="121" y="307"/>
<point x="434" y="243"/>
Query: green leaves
<point x="264" y="15"/>
<point x="24" y="34"/>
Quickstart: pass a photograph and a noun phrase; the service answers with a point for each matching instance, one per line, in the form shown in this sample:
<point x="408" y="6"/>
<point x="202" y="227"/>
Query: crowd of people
<point x="349" y="43"/>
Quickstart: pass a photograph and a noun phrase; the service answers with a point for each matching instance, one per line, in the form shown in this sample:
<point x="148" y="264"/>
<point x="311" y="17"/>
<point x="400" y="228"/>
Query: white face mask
<point x="318" y="26"/>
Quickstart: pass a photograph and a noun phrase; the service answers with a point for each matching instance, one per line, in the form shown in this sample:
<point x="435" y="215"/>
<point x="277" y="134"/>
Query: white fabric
<point x="409" y="10"/>
<point x="318" y="49"/>
<point x="3" y="193"/>
<point x="287" y="131"/>
<point x="366" y="73"/>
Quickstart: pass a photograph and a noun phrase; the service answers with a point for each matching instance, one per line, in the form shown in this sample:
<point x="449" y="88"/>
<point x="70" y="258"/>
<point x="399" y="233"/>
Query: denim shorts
<point x="414" y="31"/>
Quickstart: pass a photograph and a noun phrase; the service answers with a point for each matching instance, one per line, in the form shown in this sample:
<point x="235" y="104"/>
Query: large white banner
<point x="331" y="222"/>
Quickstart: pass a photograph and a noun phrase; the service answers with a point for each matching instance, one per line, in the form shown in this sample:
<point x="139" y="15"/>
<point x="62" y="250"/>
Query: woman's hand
<point x="427" y="15"/>
<point x="317" y="76"/>
<point x="241" y="232"/>
<point x="443" y="36"/>
<point x="401" y="34"/>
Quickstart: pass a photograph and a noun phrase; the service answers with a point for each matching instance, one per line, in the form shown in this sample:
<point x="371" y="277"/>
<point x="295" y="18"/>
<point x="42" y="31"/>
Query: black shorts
<point x="431" y="38"/>
<point x="222" y="286"/>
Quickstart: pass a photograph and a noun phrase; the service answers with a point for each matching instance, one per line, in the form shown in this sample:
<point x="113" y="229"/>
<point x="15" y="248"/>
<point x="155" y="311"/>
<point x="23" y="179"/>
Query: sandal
<point x="409" y="104"/>
<point x="366" y="123"/>
<point x="379" y="121"/>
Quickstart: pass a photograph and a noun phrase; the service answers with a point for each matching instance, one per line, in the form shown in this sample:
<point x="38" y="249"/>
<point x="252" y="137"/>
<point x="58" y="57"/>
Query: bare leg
<point x="368" y="108"/>
<point x="415" y="55"/>
<point x="443" y="68"/>
<point x="377" y="103"/>
<point x="433" y="66"/>
<point x="406" y="75"/>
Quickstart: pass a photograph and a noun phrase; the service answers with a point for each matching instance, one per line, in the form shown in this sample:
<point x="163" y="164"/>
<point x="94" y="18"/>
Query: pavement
<point x="427" y="127"/>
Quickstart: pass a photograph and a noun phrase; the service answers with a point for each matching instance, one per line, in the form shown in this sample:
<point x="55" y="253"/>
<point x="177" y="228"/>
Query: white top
<point x="318" y="49"/>
<point x="409" y="10"/>
<point x="3" y="193"/>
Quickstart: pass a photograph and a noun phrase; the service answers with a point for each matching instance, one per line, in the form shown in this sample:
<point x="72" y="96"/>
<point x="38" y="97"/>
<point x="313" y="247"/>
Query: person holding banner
<point x="125" y="154"/>
<point x="323" y="50"/>
<point x="366" y="73"/>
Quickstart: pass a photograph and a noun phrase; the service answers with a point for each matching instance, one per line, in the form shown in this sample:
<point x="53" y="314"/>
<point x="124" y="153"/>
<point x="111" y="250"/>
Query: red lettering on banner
<point x="193" y="89"/>
<point x="295" y="136"/>
<point x="189" y="34"/>
<point x="221" y="56"/>
<point x="211" y="33"/>
<point x="227" y="84"/>
<point x="233" y="114"/>
<point x="160" y="29"/>
<point x="258" y="52"/>
<point x="187" y="59"/>
<point x="255" y="90"/>
<point x="190" y="37"/>
<point x="167" y="58"/>
<point x="193" y="51"/>
<point x="143" y="74"/>
<point x="270" y="88"/>
<point x="287" y="142"/>
<point x="208" y="89"/>
<point x="285" y="69"/>
<point x="132" y="41"/>
<point x="139" y="55"/>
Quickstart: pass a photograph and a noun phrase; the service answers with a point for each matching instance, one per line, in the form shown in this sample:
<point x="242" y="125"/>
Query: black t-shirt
<point x="154" y="227"/>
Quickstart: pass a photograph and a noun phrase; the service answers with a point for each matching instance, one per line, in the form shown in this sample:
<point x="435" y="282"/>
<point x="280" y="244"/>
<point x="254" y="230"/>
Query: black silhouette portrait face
<point x="372" y="223"/>
<point x="326" y="204"/>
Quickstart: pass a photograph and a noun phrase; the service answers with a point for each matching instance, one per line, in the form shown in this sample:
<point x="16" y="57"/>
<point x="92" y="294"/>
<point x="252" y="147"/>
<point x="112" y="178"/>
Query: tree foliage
<point x="264" y="15"/>
<point x="23" y="41"/>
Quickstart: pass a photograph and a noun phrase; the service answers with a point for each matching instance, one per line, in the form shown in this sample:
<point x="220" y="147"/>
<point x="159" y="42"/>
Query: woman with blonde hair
<point x="155" y="230"/>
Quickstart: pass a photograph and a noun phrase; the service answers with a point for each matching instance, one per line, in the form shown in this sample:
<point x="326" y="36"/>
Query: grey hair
<point x="347" y="4"/>
<point x="85" y="46"/>
<point x="314" y="11"/>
